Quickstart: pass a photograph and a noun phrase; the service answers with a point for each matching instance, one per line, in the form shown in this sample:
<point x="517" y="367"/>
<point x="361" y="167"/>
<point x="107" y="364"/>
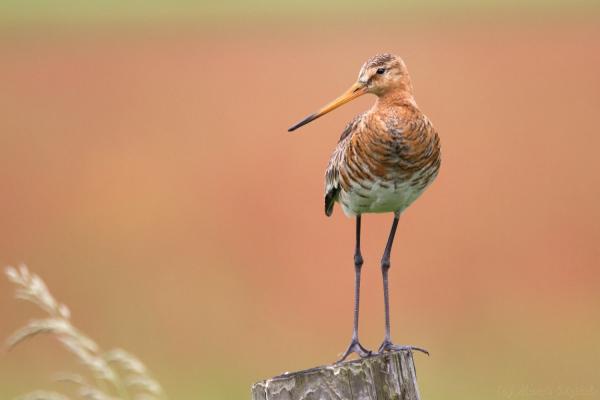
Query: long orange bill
<point x="358" y="89"/>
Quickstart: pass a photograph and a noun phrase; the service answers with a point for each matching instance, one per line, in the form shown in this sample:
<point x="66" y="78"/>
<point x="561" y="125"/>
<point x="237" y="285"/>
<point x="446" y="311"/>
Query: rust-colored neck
<point x="399" y="95"/>
<point x="395" y="98"/>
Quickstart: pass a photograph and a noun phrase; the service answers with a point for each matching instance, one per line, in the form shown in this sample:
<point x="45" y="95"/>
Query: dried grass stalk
<point x="127" y="377"/>
<point x="42" y="395"/>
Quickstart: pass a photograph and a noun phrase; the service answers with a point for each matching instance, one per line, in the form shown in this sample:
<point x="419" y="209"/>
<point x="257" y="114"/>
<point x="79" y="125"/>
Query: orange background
<point x="147" y="175"/>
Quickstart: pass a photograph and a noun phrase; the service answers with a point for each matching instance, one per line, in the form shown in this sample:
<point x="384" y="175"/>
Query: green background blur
<point x="146" y="174"/>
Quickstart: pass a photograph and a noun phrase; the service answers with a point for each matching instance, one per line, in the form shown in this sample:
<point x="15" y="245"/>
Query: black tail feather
<point x="330" y="199"/>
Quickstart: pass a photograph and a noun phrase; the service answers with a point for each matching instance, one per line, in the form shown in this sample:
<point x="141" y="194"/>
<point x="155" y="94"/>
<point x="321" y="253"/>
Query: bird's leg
<point x="355" y="346"/>
<point x="387" y="344"/>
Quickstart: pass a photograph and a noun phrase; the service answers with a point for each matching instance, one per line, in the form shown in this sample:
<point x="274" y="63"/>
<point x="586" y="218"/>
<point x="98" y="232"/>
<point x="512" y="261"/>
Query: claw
<point x="389" y="346"/>
<point x="355" y="347"/>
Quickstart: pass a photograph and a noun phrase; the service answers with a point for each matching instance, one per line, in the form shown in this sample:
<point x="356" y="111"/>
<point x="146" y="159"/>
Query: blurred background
<point x="147" y="175"/>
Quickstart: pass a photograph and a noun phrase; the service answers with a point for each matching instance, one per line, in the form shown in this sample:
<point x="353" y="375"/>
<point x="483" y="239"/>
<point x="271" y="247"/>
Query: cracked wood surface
<point x="380" y="377"/>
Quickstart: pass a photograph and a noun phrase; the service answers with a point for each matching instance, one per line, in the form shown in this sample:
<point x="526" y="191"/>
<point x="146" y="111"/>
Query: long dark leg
<point x="355" y="346"/>
<point x="385" y="267"/>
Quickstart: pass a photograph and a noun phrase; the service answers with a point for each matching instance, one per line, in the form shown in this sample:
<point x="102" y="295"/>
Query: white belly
<point x="379" y="199"/>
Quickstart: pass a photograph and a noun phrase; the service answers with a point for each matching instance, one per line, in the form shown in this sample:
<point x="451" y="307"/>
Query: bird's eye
<point x="380" y="71"/>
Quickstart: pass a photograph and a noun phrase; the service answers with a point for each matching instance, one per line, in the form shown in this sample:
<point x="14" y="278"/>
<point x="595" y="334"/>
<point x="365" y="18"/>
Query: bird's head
<point x="384" y="73"/>
<point x="379" y="75"/>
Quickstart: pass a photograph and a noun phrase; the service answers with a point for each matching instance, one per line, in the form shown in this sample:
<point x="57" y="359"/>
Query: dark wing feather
<point x="330" y="199"/>
<point x="332" y="173"/>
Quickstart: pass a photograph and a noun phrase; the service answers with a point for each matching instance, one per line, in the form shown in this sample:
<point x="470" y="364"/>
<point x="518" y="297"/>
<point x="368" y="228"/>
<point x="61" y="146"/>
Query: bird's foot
<point x="389" y="346"/>
<point x="355" y="347"/>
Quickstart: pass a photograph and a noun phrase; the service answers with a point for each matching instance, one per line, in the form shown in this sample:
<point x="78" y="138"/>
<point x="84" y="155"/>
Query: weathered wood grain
<point x="380" y="377"/>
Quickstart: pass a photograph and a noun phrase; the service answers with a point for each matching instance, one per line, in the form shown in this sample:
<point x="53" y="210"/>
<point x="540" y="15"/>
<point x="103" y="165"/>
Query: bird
<point x="384" y="160"/>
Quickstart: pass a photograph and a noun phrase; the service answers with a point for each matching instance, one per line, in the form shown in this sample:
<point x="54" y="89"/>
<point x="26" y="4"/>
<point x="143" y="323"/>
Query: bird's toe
<point x="357" y="348"/>
<point x="389" y="346"/>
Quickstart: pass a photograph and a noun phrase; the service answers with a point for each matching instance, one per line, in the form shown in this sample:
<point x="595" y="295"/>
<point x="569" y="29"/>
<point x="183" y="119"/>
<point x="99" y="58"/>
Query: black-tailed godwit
<point x="385" y="158"/>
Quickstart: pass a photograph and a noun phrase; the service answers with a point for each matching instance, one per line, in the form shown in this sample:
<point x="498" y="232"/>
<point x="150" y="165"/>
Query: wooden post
<point x="388" y="376"/>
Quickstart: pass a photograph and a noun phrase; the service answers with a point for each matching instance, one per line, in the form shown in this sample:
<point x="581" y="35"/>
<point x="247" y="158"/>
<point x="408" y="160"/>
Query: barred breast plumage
<point x="383" y="161"/>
